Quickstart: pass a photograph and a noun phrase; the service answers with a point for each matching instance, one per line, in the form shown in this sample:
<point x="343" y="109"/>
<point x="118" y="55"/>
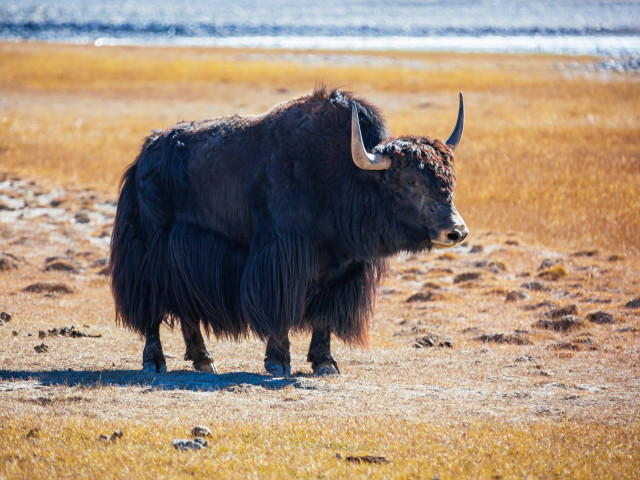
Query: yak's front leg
<point x="277" y="360"/>
<point x="319" y="354"/>
<point x="152" y="357"/>
<point x="196" y="350"/>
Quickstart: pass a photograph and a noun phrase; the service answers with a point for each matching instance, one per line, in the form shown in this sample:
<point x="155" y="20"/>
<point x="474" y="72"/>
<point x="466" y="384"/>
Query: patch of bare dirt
<point x="482" y="298"/>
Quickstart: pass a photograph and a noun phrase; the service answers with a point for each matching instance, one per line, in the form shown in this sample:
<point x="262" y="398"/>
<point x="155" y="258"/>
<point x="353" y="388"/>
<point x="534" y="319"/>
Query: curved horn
<point x="455" y="137"/>
<point x="359" y="154"/>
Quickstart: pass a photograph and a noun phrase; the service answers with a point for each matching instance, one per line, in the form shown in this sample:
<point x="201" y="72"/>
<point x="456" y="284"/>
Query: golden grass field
<point x="548" y="181"/>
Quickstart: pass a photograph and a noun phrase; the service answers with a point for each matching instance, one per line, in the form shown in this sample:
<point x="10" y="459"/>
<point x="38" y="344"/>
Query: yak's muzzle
<point x="451" y="232"/>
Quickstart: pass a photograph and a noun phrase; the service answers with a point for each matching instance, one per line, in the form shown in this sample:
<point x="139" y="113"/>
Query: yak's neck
<point x="369" y="230"/>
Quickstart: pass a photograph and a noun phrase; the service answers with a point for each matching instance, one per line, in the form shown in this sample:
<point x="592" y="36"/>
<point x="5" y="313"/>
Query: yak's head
<point x="420" y="178"/>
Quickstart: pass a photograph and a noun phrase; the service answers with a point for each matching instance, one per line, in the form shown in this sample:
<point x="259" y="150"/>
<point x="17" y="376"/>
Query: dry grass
<point x="548" y="178"/>
<point x="70" y="447"/>
<point x="548" y="151"/>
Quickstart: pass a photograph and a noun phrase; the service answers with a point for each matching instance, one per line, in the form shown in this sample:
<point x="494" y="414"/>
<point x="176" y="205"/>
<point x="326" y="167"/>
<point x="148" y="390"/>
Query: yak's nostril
<point x="454" y="236"/>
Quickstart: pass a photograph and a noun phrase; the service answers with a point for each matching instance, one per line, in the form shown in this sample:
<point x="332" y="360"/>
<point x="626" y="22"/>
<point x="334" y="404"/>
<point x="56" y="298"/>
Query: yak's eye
<point x="410" y="181"/>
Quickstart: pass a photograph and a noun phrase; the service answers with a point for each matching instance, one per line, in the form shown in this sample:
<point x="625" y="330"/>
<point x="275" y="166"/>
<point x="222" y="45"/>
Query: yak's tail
<point x="165" y="270"/>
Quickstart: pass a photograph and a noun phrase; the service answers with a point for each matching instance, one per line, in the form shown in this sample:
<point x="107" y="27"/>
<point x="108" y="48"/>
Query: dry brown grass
<point x="548" y="171"/>
<point x="548" y="151"/>
<point x="69" y="447"/>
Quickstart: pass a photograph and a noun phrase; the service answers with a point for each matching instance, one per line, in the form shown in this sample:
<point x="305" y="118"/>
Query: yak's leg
<point x="152" y="357"/>
<point x="196" y="350"/>
<point x="319" y="354"/>
<point x="277" y="360"/>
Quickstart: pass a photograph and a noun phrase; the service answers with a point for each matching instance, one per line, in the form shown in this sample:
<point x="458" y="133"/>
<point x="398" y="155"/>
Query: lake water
<point x="607" y="28"/>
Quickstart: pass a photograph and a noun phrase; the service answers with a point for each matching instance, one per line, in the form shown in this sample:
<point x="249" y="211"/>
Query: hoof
<point x="153" y="368"/>
<point x="153" y="361"/>
<point x="206" y="367"/>
<point x="326" y="370"/>
<point x="276" y="369"/>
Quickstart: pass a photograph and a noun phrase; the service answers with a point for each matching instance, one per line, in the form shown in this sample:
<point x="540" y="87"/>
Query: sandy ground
<point x="457" y="336"/>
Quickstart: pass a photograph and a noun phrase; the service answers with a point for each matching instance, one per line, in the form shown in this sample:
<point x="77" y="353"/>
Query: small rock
<point x="539" y="305"/>
<point x="420" y="297"/>
<point x="187" y="444"/>
<point x="432" y="341"/>
<point x="586" y="253"/>
<point x="492" y="266"/>
<point x="476" y="249"/>
<point x="563" y="324"/>
<point x="115" y="436"/>
<point x="515" y="295"/>
<point x="547" y="263"/>
<point x="61" y="265"/>
<point x="583" y="342"/>
<point x="506" y="338"/>
<point x="69" y="331"/>
<point x="562" y="311"/>
<point x="635" y="303"/>
<point x="7" y="263"/>
<point x="601" y="318"/>
<point x="101" y="262"/>
<point x="42" y="348"/>
<point x="525" y="358"/>
<point x="201" y="431"/>
<point x="43" y="287"/>
<point x="34" y="433"/>
<point x="82" y="217"/>
<point x="5" y="317"/>
<point x="466" y="276"/>
<point x="535" y="286"/>
<point x="367" y="459"/>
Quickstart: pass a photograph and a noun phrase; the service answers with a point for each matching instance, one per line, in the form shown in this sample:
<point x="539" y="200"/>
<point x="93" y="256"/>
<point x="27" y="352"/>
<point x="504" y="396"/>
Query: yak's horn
<point x="455" y="137"/>
<point x="361" y="157"/>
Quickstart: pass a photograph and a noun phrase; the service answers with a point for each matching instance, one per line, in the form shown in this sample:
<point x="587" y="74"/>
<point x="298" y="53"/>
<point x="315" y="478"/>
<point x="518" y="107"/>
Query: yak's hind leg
<point x="152" y="357"/>
<point x="196" y="350"/>
<point x="319" y="354"/>
<point x="277" y="360"/>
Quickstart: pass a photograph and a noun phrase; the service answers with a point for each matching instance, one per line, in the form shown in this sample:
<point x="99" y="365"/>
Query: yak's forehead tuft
<point x="422" y="152"/>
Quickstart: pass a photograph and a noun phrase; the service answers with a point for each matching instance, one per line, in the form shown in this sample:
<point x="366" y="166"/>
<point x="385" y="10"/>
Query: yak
<point x="275" y="223"/>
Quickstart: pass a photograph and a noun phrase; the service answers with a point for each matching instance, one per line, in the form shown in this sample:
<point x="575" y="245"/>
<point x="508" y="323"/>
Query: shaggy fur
<point x="264" y="224"/>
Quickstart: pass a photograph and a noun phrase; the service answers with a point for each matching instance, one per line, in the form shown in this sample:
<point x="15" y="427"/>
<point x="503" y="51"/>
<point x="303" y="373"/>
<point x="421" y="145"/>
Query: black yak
<point x="266" y="224"/>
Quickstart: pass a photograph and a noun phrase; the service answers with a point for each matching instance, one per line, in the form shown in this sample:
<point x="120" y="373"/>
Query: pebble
<point x="562" y="311"/>
<point x="201" y="431"/>
<point x="187" y="444"/>
<point x="535" y="286"/>
<point x="115" y="436"/>
<point x="515" y="295"/>
<point x="635" y="303"/>
<point x="601" y="318"/>
<point x="42" y="348"/>
<point x="466" y="276"/>
<point x="563" y="324"/>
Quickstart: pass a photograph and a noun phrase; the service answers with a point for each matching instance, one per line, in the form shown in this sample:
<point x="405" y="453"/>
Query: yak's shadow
<point x="175" y="380"/>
